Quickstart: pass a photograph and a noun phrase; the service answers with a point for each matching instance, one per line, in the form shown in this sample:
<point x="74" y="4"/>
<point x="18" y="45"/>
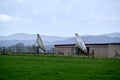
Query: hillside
<point x="29" y="39"/>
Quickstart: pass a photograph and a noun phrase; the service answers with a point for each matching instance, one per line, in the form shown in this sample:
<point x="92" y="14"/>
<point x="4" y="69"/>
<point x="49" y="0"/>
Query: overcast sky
<point x="59" y="17"/>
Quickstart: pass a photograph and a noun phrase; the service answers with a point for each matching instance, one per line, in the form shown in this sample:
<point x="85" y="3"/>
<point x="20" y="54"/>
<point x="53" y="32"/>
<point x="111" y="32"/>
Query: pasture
<point x="42" y="67"/>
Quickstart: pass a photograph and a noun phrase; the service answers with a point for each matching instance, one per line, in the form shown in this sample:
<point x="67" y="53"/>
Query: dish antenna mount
<point x="79" y="43"/>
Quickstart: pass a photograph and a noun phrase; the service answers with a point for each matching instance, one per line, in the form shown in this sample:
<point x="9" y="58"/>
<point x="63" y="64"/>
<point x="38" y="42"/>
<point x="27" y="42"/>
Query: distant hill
<point x="23" y="36"/>
<point x="29" y="39"/>
<point x="113" y="35"/>
<point x="91" y="39"/>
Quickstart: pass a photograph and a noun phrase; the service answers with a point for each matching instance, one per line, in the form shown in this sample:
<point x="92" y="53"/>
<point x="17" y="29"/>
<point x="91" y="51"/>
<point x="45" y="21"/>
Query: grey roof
<point x="88" y="44"/>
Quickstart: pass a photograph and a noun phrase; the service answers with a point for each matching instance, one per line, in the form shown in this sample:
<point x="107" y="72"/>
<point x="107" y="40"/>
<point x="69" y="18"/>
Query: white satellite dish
<point x="40" y="43"/>
<point x="80" y="43"/>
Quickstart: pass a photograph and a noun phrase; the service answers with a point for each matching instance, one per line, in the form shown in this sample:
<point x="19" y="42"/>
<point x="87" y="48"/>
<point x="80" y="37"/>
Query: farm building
<point x="100" y="50"/>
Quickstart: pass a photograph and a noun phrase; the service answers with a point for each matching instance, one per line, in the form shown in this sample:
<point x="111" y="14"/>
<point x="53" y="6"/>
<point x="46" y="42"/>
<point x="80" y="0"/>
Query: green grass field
<point x="31" y="67"/>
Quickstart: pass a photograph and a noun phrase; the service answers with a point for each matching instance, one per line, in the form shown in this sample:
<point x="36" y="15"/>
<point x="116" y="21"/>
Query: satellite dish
<point x="79" y="43"/>
<point x="40" y="43"/>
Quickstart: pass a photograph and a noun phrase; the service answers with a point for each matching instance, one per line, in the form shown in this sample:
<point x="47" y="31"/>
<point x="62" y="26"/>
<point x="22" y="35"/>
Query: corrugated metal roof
<point x="88" y="44"/>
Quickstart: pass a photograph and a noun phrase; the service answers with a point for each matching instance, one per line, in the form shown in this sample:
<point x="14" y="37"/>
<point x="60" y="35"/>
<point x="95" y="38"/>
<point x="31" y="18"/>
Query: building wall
<point x="64" y="50"/>
<point x="112" y="49"/>
<point x="100" y="50"/>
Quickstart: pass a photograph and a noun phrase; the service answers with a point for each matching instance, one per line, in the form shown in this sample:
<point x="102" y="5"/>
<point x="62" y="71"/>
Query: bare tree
<point x="19" y="47"/>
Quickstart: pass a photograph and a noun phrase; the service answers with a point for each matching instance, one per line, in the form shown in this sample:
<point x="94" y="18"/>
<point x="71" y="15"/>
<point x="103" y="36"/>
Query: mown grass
<point x="40" y="67"/>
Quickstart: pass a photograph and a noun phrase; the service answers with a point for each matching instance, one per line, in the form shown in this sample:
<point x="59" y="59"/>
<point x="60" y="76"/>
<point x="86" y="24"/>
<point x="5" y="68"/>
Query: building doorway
<point x="88" y="50"/>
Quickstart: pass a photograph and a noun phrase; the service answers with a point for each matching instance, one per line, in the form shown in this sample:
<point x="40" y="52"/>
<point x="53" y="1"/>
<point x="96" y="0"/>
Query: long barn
<point x="100" y="50"/>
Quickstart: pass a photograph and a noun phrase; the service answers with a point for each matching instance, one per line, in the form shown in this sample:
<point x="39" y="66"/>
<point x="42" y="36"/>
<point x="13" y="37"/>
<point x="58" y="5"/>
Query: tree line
<point x="20" y="48"/>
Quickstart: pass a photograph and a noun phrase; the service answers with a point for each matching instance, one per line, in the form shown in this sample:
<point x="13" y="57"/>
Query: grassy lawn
<point x="31" y="67"/>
